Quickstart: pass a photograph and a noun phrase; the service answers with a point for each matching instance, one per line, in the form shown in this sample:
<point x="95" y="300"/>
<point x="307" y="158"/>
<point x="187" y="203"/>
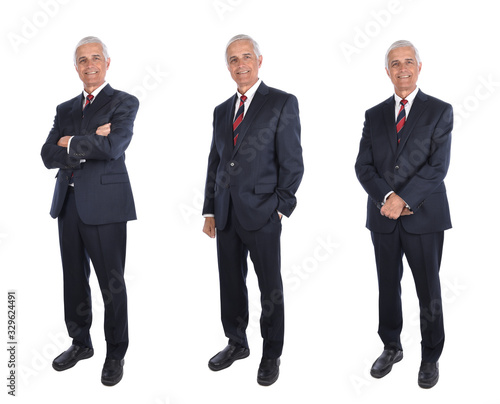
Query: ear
<point x="419" y="67"/>
<point x="107" y="63"/>
<point x="387" y="71"/>
<point x="260" y="61"/>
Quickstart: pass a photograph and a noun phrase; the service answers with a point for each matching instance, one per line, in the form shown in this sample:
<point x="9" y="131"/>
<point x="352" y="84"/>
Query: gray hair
<point x="401" y="44"/>
<point x="92" y="39"/>
<point x="242" y="37"/>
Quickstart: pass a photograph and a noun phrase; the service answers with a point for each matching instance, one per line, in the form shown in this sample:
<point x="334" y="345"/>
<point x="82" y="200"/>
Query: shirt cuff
<point x="208" y="215"/>
<point x="387" y="196"/>
<point x="69" y="143"/>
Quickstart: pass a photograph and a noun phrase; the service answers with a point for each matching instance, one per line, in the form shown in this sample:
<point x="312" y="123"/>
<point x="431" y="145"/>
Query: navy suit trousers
<point x="233" y="245"/>
<point x="105" y="246"/>
<point x="423" y="252"/>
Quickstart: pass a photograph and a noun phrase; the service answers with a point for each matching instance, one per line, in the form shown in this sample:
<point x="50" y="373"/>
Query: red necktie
<point x="89" y="99"/>
<point x="239" y="118"/>
<point x="401" y="119"/>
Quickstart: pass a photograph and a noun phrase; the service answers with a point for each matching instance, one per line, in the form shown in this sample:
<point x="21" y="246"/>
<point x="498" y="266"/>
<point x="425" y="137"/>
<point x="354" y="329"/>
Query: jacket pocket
<point x="265" y="188"/>
<point x="114" y="178"/>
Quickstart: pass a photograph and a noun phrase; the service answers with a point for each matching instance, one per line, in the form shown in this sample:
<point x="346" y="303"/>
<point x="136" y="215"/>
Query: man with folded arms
<point x="93" y="202"/>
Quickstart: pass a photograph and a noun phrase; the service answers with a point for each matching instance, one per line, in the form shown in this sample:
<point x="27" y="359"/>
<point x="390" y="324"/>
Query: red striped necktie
<point x="401" y="119"/>
<point x="239" y="118"/>
<point x="89" y="99"/>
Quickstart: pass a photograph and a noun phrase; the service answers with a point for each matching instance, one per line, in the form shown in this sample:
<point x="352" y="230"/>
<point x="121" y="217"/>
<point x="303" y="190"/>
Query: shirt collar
<point x="251" y="91"/>
<point x="96" y="91"/>
<point x="410" y="97"/>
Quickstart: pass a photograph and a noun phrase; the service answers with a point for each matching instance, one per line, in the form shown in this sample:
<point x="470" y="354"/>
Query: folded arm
<point x="98" y="146"/>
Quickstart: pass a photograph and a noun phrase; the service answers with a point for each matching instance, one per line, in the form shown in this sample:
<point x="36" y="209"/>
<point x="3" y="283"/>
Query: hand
<point x="393" y="207"/>
<point x="103" y="130"/>
<point x="63" y="142"/>
<point x="406" y="212"/>
<point x="280" y="215"/>
<point x="209" y="227"/>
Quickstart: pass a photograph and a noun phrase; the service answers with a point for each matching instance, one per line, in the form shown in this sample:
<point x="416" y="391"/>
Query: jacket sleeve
<point x="373" y="183"/>
<point x="213" y="164"/>
<point x="55" y="156"/>
<point x="95" y="147"/>
<point x="289" y="155"/>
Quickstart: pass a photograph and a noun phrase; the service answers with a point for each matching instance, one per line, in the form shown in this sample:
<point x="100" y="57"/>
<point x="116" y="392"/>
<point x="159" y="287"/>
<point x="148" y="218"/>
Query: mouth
<point x="404" y="77"/>
<point x="90" y="73"/>
<point x="244" y="72"/>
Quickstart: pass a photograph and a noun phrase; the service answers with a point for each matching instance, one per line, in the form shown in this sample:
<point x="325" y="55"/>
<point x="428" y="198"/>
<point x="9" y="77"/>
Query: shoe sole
<point x="243" y="355"/>
<point x="61" y="368"/>
<point x="268" y="382"/>
<point x="430" y="384"/>
<point x="110" y="383"/>
<point x="386" y="371"/>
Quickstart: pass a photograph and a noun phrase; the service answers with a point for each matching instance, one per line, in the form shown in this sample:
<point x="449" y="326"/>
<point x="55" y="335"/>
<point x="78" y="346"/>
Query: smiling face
<point x="243" y="64"/>
<point x="403" y="70"/>
<point x="91" y="65"/>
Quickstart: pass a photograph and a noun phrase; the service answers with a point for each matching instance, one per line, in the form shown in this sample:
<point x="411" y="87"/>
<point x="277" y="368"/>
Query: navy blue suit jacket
<point x="102" y="188"/>
<point x="415" y="169"/>
<point x="263" y="171"/>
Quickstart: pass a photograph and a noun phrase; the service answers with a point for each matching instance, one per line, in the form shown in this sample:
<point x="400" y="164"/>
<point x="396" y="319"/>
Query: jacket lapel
<point x="390" y="123"/>
<point x="258" y="101"/>
<point x="76" y="114"/>
<point x="227" y="130"/>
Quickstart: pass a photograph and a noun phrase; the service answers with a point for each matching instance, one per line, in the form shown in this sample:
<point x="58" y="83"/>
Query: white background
<point x="171" y="55"/>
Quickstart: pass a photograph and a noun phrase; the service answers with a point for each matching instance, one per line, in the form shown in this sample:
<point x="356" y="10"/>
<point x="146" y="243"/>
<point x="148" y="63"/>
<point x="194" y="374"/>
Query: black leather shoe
<point x="269" y="371"/>
<point x="71" y="356"/>
<point x="227" y="356"/>
<point x="112" y="371"/>
<point x="383" y="364"/>
<point x="428" y="375"/>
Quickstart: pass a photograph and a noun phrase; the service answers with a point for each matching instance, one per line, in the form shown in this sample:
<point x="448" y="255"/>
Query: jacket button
<point x="232" y="164"/>
<point x="396" y="168"/>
